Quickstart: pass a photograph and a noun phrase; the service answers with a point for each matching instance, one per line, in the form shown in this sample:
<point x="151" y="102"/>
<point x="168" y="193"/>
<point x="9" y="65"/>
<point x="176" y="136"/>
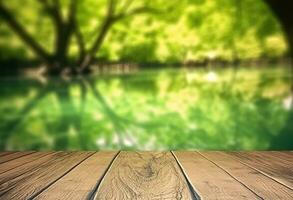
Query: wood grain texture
<point x="8" y="157"/>
<point x="285" y="155"/>
<point x="210" y="181"/>
<point x="30" y="183"/>
<point x="30" y="166"/>
<point x="79" y="182"/>
<point x="282" y="156"/>
<point x="274" y="166"/>
<point x="3" y="153"/>
<point x="262" y="185"/>
<point x="21" y="161"/>
<point x="148" y="175"/>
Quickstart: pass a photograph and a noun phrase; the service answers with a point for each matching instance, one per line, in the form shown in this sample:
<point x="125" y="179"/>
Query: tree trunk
<point x="88" y="59"/>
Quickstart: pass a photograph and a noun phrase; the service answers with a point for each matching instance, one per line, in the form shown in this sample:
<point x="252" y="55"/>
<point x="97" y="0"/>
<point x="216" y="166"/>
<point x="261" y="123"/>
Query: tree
<point x="67" y="27"/>
<point x="68" y="35"/>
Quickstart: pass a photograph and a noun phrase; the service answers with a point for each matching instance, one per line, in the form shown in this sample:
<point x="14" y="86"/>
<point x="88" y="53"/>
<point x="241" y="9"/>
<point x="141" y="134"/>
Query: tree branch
<point x="80" y="41"/>
<point x="22" y="33"/>
<point x="72" y="12"/>
<point x="126" y="5"/>
<point x="79" y="37"/>
<point x="110" y="19"/>
<point x="64" y="31"/>
<point x="101" y="35"/>
<point x="136" y="11"/>
<point x="105" y="26"/>
<point x="53" y="10"/>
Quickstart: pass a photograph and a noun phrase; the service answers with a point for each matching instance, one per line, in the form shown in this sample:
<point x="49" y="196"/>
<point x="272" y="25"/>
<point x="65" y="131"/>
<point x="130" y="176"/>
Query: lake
<point x="247" y="109"/>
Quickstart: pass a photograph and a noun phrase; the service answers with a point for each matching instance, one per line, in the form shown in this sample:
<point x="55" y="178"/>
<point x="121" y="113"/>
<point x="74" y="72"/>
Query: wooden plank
<point x="9" y="165"/>
<point x="277" y="168"/>
<point x="262" y="185"/>
<point x="31" y="166"/>
<point x="210" y="181"/>
<point x="12" y="156"/>
<point x="32" y="182"/>
<point x="79" y="183"/>
<point x="276" y="155"/>
<point x="144" y="175"/>
<point x="3" y="153"/>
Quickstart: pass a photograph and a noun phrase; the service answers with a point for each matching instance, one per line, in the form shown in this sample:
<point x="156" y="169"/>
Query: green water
<point x="150" y="110"/>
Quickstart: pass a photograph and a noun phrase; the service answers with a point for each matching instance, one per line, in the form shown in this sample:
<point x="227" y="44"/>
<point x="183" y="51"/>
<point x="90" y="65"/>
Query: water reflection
<point x="148" y="111"/>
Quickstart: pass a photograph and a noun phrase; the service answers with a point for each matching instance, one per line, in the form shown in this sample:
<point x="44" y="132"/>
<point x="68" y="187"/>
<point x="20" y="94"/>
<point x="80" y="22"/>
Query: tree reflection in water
<point x="148" y="111"/>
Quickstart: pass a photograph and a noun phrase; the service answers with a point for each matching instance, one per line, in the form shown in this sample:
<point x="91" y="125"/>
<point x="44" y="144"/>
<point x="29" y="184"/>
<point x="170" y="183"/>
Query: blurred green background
<point x="145" y="75"/>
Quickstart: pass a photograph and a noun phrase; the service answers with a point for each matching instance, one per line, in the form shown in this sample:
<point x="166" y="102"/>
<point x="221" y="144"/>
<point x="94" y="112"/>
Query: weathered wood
<point x="210" y="181"/>
<point x="32" y="182"/>
<point x="31" y="166"/>
<point x="273" y="166"/>
<point x="137" y="175"/>
<point x="276" y="155"/>
<point x="12" y="156"/>
<point x="6" y="153"/>
<point x="146" y="175"/>
<point x="262" y="185"/>
<point x="9" y="165"/>
<point x="79" y="182"/>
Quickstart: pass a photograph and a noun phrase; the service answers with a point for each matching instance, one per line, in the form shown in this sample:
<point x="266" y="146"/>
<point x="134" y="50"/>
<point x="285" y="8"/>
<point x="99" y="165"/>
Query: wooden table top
<point x="146" y="175"/>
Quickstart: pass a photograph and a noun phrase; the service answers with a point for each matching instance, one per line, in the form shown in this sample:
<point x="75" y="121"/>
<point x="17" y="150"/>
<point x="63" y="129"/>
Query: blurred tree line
<point x="69" y="35"/>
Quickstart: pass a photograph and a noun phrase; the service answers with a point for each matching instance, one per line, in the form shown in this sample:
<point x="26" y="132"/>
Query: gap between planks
<point x="12" y="164"/>
<point x="264" y="186"/>
<point x="14" y="155"/>
<point x="81" y="181"/>
<point x="92" y="194"/>
<point x="211" y="159"/>
<point x="137" y="175"/>
<point x="28" y="184"/>
<point x="51" y="190"/>
<point x="66" y="172"/>
<point x="277" y="180"/>
<point x="229" y="174"/>
<point x="195" y="194"/>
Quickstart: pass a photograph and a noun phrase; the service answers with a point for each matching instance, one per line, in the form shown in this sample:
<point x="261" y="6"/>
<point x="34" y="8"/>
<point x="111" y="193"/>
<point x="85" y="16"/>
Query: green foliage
<point x="169" y="109"/>
<point x="180" y="31"/>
